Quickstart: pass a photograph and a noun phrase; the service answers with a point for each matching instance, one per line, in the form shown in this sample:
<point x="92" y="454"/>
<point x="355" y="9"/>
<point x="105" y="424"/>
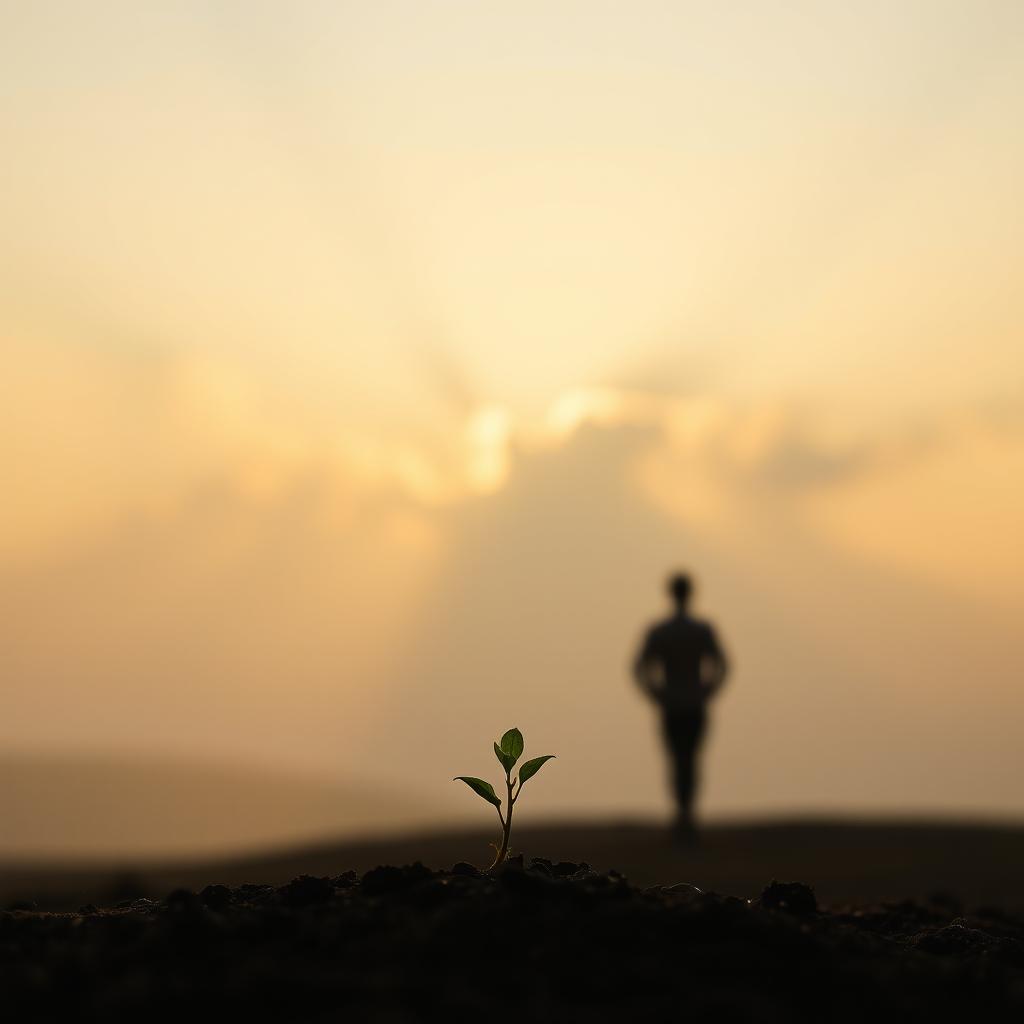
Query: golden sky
<point x="366" y="365"/>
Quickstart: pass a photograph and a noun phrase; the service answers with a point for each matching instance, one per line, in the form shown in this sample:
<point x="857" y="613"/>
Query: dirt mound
<point x="548" y="942"/>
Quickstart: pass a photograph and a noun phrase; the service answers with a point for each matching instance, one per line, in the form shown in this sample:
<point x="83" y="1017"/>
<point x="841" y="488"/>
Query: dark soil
<point x="860" y="862"/>
<point x="551" y="942"/>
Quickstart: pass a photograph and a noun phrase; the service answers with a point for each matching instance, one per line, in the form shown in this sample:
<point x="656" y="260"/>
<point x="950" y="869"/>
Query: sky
<point x="366" y="367"/>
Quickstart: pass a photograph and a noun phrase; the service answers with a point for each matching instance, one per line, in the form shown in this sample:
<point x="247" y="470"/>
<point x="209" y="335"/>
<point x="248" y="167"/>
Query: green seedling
<point x="508" y="751"/>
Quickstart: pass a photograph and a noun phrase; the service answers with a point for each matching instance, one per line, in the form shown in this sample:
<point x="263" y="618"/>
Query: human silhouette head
<point x="680" y="586"/>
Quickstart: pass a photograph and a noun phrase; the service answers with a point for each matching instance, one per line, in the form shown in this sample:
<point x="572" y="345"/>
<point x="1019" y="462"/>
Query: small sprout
<point x="507" y="750"/>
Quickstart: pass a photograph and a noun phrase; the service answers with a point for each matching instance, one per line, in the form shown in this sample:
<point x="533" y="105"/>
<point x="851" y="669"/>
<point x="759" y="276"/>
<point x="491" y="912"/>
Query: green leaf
<point x="507" y="761"/>
<point x="512" y="745"/>
<point x="528" y="769"/>
<point x="481" y="788"/>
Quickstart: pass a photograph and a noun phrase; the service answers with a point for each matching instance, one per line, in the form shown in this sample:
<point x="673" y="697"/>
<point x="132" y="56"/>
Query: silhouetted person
<point x="680" y="666"/>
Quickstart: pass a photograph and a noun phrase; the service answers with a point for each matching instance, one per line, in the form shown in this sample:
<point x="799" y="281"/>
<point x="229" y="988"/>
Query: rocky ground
<point x="544" y="942"/>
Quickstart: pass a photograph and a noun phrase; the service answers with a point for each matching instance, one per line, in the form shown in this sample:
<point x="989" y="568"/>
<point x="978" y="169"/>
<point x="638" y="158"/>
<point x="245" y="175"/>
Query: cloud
<point x="342" y="623"/>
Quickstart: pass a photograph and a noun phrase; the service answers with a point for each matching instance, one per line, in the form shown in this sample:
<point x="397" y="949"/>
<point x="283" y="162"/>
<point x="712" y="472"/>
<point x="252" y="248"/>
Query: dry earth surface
<point x="907" y="922"/>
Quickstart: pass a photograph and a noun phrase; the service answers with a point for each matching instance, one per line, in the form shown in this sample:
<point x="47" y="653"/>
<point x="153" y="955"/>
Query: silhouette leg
<point x="684" y="731"/>
<point x="685" y="779"/>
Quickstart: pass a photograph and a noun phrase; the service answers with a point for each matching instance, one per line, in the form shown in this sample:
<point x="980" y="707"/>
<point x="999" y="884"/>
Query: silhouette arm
<point x="646" y="668"/>
<point x="716" y="664"/>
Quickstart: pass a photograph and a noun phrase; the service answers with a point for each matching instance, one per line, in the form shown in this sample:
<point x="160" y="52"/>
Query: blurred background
<point x="367" y="367"/>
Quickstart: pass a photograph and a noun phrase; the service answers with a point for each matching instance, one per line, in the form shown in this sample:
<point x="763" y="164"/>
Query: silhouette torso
<point x="680" y="647"/>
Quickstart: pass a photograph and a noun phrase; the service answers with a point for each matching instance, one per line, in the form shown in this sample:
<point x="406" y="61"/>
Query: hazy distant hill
<point x="130" y="807"/>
